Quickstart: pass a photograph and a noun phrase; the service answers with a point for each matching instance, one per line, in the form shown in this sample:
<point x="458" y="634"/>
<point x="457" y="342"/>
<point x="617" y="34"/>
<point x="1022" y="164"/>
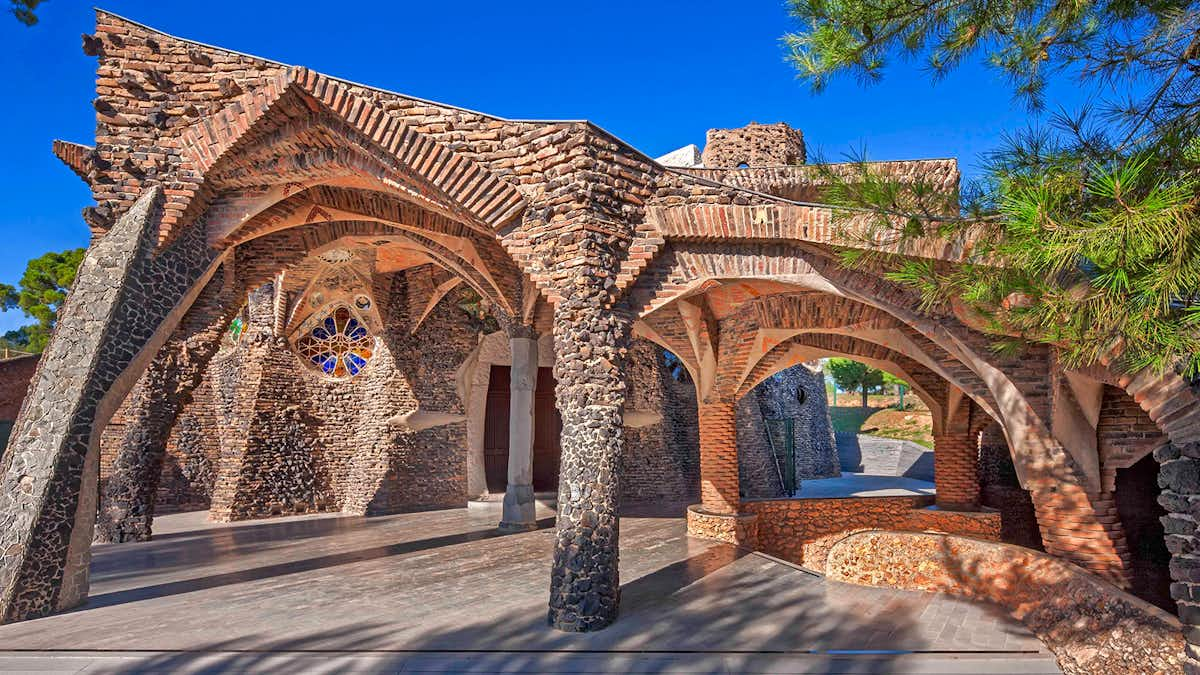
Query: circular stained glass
<point x="340" y="345"/>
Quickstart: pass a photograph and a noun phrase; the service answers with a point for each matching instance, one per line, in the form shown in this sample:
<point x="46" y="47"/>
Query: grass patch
<point x="915" y="424"/>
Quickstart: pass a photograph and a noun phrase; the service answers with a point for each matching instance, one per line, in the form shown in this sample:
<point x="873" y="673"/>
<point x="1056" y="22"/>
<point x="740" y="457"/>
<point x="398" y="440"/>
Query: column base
<point x="520" y="509"/>
<point x="739" y="529"/>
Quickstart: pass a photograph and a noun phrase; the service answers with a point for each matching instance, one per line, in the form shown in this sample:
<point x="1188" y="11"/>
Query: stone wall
<point x="662" y="460"/>
<point x="776" y="398"/>
<point x="812" y="436"/>
<point x="754" y="145"/>
<point x="1090" y="625"/>
<point x="1000" y="490"/>
<point x="803" y="530"/>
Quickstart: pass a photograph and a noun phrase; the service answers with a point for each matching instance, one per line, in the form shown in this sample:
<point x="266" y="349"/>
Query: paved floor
<point x="863" y="485"/>
<point x="442" y="591"/>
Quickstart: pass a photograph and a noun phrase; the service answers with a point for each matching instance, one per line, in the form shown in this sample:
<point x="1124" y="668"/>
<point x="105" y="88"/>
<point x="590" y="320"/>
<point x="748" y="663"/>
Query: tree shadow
<point x="720" y="610"/>
<point x="293" y="567"/>
<point x="1090" y="624"/>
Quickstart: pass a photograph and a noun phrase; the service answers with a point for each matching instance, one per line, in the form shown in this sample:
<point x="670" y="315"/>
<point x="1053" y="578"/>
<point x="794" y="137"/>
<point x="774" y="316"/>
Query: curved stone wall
<point x="1091" y="625"/>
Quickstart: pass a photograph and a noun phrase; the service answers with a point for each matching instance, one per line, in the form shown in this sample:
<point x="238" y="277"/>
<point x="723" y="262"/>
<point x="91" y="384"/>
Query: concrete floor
<point x="442" y="591"/>
<point x="862" y="485"/>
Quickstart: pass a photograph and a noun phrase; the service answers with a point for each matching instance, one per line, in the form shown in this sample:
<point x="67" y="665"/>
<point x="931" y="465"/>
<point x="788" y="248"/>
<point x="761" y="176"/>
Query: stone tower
<point x="754" y="145"/>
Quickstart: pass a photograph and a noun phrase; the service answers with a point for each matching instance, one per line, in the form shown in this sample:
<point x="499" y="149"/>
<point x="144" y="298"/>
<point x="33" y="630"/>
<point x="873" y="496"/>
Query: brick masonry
<point x="803" y="530"/>
<point x="556" y="226"/>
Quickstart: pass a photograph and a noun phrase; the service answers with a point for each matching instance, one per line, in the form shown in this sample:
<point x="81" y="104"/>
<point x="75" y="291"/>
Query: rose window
<point x="340" y="345"/>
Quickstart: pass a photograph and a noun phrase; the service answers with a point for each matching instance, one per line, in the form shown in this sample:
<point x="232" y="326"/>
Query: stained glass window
<point x="339" y="345"/>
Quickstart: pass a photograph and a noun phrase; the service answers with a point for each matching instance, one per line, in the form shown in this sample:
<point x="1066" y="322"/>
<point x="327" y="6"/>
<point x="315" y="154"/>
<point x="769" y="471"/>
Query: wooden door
<point x="547" y="427"/>
<point x="495" y="430"/>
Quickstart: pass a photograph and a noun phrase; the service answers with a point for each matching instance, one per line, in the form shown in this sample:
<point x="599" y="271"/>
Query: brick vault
<point x="331" y="274"/>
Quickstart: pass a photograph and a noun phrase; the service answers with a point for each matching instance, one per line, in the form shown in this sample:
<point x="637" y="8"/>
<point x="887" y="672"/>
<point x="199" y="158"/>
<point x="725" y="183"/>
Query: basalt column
<point x="591" y="350"/>
<point x="127" y="297"/>
<point x="127" y="508"/>
<point x="519" y="507"/>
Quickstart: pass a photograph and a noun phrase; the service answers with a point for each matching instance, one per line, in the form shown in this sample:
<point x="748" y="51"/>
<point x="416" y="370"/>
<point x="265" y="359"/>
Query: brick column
<point x="718" y="457"/>
<point x="591" y="348"/>
<point x="1084" y="528"/>
<point x="956" y="471"/>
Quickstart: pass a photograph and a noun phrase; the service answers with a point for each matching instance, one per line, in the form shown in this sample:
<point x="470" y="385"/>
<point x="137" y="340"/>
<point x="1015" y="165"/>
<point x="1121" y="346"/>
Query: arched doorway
<point x="547" y="427"/>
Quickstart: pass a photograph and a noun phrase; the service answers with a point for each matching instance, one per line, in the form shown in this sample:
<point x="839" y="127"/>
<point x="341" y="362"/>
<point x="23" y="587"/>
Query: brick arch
<point x="683" y="268"/>
<point x="298" y="100"/>
<point x="469" y="249"/>
<point x="929" y="386"/>
<point x="259" y="259"/>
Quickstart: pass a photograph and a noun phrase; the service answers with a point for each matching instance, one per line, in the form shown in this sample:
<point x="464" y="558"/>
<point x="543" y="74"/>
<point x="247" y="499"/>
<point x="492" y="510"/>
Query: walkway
<point x="442" y="591"/>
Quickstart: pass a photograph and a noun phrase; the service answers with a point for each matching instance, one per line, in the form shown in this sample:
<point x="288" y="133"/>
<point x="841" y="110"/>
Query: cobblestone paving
<point x="445" y="581"/>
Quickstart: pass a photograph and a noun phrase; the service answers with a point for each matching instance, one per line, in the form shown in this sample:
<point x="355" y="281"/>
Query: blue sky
<point x="657" y="73"/>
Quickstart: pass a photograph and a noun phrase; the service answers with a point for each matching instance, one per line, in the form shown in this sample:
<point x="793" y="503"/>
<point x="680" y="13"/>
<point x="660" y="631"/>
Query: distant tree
<point x="898" y="384"/>
<point x="26" y="11"/>
<point x="849" y="375"/>
<point x="40" y="294"/>
<point x="1085" y="232"/>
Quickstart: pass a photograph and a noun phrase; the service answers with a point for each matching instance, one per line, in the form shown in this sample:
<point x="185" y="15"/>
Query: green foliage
<point x="40" y="294"/>
<point x="851" y="375"/>
<point x="26" y="11"/>
<point x="1085" y="232"/>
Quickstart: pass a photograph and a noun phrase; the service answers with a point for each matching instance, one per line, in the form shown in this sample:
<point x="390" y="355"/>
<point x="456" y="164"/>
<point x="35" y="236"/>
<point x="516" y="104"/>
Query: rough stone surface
<point x="1092" y="626"/>
<point x="124" y="292"/>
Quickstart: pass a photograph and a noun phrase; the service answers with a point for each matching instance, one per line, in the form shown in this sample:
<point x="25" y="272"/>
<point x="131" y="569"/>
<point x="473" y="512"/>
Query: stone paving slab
<point x="192" y="663"/>
<point x="446" y="581"/>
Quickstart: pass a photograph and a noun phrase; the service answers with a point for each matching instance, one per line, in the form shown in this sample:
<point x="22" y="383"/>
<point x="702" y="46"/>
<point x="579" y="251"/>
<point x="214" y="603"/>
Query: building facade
<point x="344" y="280"/>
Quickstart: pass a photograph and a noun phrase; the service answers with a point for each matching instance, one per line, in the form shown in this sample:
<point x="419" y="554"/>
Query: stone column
<point x="127" y="507"/>
<point x="1179" y="478"/>
<point x="127" y="297"/>
<point x="591" y="351"/>
<point x="519" y="507"/>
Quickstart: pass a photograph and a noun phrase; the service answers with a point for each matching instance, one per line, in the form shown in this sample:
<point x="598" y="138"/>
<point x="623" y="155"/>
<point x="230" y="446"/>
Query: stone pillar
<point x="591" y="350"/>
<point x="127" y="297"/>
<point x="1084" y="528"/>
<point x="719" y="457"/>
<point x="519" y="506"/>
<point x="956" y="471"/>
<point x="1179" y="478"/>
<point x="127" y="507"/>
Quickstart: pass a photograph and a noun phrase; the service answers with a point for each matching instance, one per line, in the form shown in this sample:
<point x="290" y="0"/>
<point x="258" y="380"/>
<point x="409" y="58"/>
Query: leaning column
<point x="519" y="507"/>
<point x="590" y="350"/>
<point x="128" y="296"/>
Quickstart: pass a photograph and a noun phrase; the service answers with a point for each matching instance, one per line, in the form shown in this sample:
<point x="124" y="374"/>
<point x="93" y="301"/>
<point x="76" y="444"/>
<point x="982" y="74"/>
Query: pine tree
<point x="1084" y="232"/>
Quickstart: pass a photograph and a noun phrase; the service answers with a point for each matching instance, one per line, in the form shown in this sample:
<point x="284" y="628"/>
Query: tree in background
<point x="849" y="375"/>
<point x="898" y="384"/>
<point x="26" y="11"/>
<point x="40" y="294"/>
<point x="1084" y="233"/>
